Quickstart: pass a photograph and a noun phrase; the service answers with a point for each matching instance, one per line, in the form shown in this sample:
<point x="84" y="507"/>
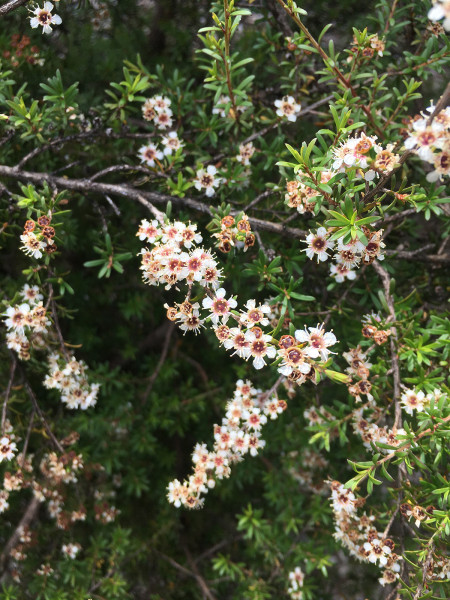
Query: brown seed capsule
<point x="381" y="337"/>
<point x="368" y="331"/>
<point x="44" y="220"/>
<point x="225" y="247"/>
<point x="227" y="221"/>
<point x="249" y="240"/>
<point x="286" y="341"/>
<point x="29" y="225"/>
<point x="48" y="232"/>
<point x="171" y="313"/>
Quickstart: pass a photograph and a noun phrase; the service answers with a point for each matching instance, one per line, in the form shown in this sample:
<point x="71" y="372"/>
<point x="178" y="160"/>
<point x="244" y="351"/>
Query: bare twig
<point x="28" y="516"/>
<point x="42" y="418"/>
<point x="161" y="361"/>
<point x="11" y="5"/>
<point x="146" y="198"/>
<point x="8" y="390"/>
<point x="393" y="341"/>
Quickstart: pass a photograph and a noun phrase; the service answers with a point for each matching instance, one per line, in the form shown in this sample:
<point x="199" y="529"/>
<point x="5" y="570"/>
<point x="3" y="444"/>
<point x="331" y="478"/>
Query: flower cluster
<point x="416" y="401"/>
<point x="35" y="241"/>
<point x="69" y="377"/>
<point x="246" y="151"/>
<point x="288" y="108"/>
<point x="347" y="255"/>
<point x="238" y="435"/>
<point x="367" y="49"/>
<point x="43" y="17"/>
<point x="27" y="323"/>
<point x="150" y="154"/>
<point x="365" y="155"/>
<point x="296" y="580"/>
<point x="301" y="196"/>
<point x="359" y="536"/>
<point x="157" y="110"/>
<point x="235" y="232"/>
<point x="431" y="141"/>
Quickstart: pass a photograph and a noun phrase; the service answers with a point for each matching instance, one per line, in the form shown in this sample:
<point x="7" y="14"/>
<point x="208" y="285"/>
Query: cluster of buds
<point x="431" y="141"/>
<point x="27" y="323"/>
<point x="238" y="435"/>
<point x="69" y="377"/>
<point x="359" y="536"/>
<point x="372" y="329"/>
<point x="301" y="196"/>
<point x="296" y="580"/>
<point x="347" y="255"/>
<point x="235" y="232"/>
<point x="157" y="110"/>
<point x="417" y="401"/>
<point x="366" y="49"/>
<point x="21" y="51"/>
<point x="36" y="241"/>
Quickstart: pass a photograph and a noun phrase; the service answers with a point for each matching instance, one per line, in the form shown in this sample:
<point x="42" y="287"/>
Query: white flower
<point x="149" y="154"/>
<point x="318" y="244"/>
<point x="318" y="341"/>
<point x="7" y="448"/>
<point x="31" y="294"/>
<point x="43" y="16"/>
<point x="16" y="317"/>
<point x="219" y="307"/>
<point x="206" y="180"/>
<point x="32" y="245"/>
<point x="171" y="143"/>
<point x="288" y="107"/>
<point x="71" y="550"/>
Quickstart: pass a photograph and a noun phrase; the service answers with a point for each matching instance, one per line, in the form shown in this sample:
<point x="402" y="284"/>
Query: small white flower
<point x="207" y="180"/>
<point x="288" y="107"/>
<point x="171" y="143"/>
<point x="149" y="154"/>
<point x="318" y="244"/>
<point x="44" y="18"/>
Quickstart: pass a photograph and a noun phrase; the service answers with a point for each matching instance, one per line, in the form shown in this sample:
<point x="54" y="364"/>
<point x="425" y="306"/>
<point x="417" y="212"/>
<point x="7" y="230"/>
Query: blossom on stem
<point x="44" y="17"/>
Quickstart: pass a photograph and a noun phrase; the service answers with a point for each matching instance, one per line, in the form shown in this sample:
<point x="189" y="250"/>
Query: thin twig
<point x="8" y="390"/>
<point x="27" y="518"/>
<point x="393" y="341"/>
<point x="146" y="198"/>
<point x="42" y="418"/>
<point x="11" y="5"/>
<point x="161" y="361"/>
